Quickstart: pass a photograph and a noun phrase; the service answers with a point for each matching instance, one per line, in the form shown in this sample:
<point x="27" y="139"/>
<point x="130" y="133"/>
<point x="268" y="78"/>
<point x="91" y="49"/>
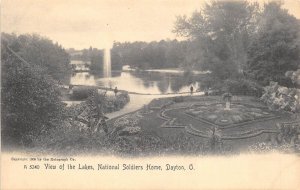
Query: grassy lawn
<point x="168" y="121"/>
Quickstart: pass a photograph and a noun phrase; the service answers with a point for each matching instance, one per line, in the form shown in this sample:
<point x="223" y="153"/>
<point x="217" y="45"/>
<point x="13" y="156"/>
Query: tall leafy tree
<point x="42" y="52"/>
<point x="30" y="102"/>
<point x="275" y="48"/>
<point x="220" y="35"/>
<point x="96" y="57"/>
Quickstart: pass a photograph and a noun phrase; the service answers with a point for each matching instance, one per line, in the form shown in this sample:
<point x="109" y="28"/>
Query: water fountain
<point x="107" y="63"/>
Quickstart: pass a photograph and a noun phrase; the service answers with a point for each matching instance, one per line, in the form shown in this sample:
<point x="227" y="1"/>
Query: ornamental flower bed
<point x="238" y="114"/>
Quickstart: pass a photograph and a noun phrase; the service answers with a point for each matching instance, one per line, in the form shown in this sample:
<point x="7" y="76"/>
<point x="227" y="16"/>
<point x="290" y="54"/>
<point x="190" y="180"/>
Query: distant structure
<point x="80" y="66"/>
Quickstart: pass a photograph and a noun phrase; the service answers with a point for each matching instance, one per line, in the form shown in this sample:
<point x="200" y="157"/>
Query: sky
<point x="83" y="23"/>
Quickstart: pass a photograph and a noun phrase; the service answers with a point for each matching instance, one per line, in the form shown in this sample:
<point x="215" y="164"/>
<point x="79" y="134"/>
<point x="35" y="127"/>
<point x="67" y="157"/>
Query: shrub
<point x="236" y="86"/>
<point x="116" y="103"/>
<point x="287" y="139"/>
<point x="294" y="76"/>
<point x="243" y="87"/>
<point x="31" y="68"/>
<point x="30" y="104"/>
<point x="281" y="98"/>
<point x="288" y="133"/>
<point x="83" y="92"/>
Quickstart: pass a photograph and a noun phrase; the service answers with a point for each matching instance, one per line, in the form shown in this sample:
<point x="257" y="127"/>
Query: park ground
<point x="200" y="125"/>
<point x="181" y="125"/>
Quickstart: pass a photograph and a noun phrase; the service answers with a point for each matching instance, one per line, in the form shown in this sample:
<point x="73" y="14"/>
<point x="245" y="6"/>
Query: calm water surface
<point x="159" y="83"/>
<point x="146" y="82"/>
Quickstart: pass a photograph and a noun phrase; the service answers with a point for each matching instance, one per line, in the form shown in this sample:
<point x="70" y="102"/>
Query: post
<point x="227" y="97"/>
<point x="227" y="106"/>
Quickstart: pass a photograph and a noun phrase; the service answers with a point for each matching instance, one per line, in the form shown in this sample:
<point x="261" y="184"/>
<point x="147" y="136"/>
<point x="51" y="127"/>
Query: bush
<point x="281" y="98"/>
<point x="295" y="77"/>
<point x="243" y="87"/>
<point x="30" y="102"/>
<point x="288" y="133"/>
<point x="287" y="139"/>
<point x="236" y="86"/>
<point x="31" y="68"/>
<point x="116" y="103"/>
<point x="83" y="92"/>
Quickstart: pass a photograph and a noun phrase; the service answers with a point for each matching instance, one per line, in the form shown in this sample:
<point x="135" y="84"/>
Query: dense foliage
<point x="153" y="55"/>
<point x="281" y="98"/>
<point x="115" y="103"/>
<point x="295" y="77"/>
<point x="84" y="128"/>
<point x="275" y="47"/>
<point x="96" y="59"/>
<point x="236" y="86"/>
<point x="237" y="39"/>
<point x="29" y="95"/>
<point x="50" y="57"/>
<point x="287" y="139"/>
<point x="82" y="92"/>
<point x="221" y="35"/>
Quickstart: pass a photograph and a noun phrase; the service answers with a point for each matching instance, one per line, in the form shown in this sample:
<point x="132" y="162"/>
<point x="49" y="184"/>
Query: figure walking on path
<point x="192" y="90"/>
<point x="116" y="91"/>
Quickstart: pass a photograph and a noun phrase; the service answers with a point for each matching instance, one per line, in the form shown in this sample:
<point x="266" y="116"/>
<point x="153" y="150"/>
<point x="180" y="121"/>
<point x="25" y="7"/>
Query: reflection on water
<point x="83" y="78"/>
<point x="140" y="82"/>
<point x="149" y="82"/>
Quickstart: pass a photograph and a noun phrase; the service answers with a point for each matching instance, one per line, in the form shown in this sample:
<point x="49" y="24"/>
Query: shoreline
<point x="131" y="108"/>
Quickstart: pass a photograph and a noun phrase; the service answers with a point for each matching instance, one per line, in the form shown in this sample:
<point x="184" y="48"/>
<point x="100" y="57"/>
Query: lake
<point x="146" y="84"/>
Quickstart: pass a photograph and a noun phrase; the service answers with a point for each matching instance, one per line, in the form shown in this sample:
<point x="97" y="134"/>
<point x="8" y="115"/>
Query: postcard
<point x="150" y="94"/>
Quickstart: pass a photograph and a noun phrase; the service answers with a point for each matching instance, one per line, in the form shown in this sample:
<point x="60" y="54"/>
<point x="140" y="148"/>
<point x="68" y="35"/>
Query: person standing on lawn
<point x="116" y="91"/>
<point x="192" y="90"/>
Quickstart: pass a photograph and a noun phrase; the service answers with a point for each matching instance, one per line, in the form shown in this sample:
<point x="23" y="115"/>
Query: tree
<point x="220" y="36"/>
<point x="96" y="58"/>
<point x="275" y="48"/>
<point x="116" y="59"/>
<point x="29" y="97"/>
<point x="41" y="52"/>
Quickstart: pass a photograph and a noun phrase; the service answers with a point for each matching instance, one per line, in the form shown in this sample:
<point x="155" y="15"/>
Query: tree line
<point x="140" y="55"/>
<point x="152" y="55"/>
<point x="95" y="56"/>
